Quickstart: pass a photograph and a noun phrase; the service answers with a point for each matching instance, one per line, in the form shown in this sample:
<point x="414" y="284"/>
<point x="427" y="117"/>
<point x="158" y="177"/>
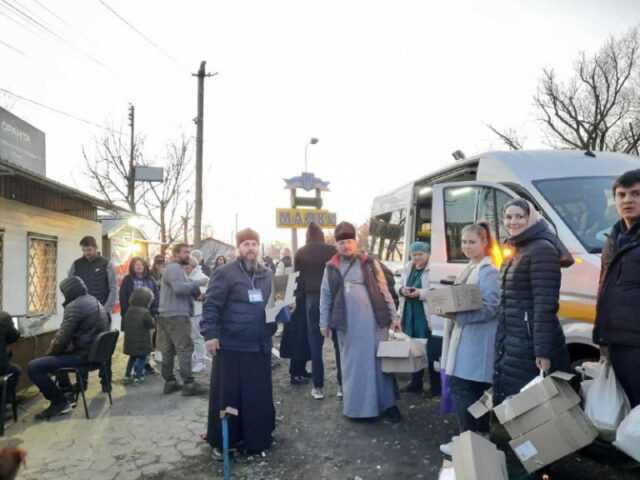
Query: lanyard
<point x="252" y="279"/>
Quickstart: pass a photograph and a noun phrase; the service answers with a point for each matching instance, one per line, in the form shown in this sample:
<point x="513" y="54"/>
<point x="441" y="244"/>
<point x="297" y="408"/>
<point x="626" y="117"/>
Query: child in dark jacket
<point x="136" y="326"/>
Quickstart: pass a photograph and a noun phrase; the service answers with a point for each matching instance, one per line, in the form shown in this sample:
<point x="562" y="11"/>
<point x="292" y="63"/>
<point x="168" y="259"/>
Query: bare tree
<point x="509" y="137"/>
<point x="165" y="202"/>
<point x="597" y="109"/>
<point x="109" y="168"/>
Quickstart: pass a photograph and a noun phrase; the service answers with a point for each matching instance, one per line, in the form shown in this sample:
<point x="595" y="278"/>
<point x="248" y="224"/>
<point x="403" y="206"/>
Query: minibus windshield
<point x="586" y="206"/>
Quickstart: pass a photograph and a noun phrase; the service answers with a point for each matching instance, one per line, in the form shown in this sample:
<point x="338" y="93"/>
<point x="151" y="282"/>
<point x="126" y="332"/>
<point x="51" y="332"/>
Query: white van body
<point x="571" y="189"/>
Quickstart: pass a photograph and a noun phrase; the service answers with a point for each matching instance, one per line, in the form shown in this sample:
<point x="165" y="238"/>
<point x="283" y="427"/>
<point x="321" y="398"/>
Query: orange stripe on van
<point x="577" y="311"/>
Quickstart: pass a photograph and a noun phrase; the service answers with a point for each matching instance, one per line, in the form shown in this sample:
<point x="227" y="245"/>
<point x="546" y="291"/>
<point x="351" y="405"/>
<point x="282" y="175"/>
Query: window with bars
<point x="42" y="274"/>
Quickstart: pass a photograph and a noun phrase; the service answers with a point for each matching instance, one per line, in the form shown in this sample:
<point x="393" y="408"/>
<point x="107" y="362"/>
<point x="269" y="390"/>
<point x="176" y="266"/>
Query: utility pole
<point x="185" y="223"/>
<point x="197" y="216"/>
<point x="132" y="180"/>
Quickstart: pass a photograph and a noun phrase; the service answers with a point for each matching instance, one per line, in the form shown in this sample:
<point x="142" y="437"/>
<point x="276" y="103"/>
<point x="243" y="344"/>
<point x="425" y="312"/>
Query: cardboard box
<point x="483" y="405"/>
<point x="454" y="298"/>
<point x="446" y="471"/>
<point x="403" y="356"/>
<point x="569" y="432"/>
<point x="537" y="405"/>
<point x="476" y="458"/>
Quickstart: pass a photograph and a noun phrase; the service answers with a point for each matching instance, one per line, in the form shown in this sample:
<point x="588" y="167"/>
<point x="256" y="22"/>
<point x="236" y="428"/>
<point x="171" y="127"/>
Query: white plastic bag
<point x="628" y="434"/>
<point x="606" y="404"/>
<point x="533" y="382"/>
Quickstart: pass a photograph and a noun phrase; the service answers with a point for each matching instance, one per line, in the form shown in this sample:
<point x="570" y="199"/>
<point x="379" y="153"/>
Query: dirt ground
<point x="315" y="441"/>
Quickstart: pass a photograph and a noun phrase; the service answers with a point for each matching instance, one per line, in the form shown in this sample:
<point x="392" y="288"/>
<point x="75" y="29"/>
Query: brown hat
<point x="246" y="234"/>
<point x="345" y="231"/>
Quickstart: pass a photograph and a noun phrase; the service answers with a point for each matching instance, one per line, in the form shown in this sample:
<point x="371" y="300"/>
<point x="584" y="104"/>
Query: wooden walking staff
<point x="225" y="437"/>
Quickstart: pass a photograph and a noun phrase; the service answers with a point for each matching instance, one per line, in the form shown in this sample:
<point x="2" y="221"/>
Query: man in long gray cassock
<point x="355" y="300"/>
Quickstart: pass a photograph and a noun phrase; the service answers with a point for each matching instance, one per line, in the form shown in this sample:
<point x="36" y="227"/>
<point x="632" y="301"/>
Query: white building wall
<point x="18" y="220"/>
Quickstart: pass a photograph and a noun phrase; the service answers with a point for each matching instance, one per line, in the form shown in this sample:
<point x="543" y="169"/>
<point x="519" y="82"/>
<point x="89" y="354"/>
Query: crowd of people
<point x="198" y="313"/>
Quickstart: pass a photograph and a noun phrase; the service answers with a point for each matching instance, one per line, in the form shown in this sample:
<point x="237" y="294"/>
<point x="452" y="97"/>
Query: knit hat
<point x="141" y="297"/>
<point x="314" y="233"/>
<point x="247" y="234"/>
<point x="420" y="247"/>
<point x="345" y="231"/>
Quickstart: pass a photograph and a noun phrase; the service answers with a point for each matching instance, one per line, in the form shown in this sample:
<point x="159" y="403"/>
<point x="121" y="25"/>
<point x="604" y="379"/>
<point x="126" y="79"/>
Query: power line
<point x="60" y="112"/>
<point x="51" y="32"/>
<point x="13" y="48"/>
<point x="155" y="45"/>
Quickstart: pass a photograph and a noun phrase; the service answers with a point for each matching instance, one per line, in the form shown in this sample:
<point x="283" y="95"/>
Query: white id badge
<point x="255" y="295"/>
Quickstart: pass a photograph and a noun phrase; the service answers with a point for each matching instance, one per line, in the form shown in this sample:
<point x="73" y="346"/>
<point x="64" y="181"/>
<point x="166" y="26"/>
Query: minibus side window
<point x="386" y="235"/>
<point x="465" y="205"/>
<point x="459" y="210"/>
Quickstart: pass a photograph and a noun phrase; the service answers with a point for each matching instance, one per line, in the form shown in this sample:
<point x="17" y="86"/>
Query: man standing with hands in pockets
<point x="238" y="337"/>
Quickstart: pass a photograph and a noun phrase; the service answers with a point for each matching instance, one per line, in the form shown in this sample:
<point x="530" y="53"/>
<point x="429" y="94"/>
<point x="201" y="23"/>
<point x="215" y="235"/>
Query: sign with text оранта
<point x="21" y="144"/>
<point x="301" y="218"/>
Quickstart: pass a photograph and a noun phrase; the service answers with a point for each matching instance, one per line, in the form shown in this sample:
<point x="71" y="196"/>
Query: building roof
<point x="11" y="169"/>
<point x="211" y="239"/>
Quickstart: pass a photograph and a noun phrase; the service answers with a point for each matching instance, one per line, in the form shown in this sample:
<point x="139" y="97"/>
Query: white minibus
<point x="572" y="190"/>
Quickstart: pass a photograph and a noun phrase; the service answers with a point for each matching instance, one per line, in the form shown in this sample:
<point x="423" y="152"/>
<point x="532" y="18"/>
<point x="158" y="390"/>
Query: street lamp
<point x="313" y="141"/>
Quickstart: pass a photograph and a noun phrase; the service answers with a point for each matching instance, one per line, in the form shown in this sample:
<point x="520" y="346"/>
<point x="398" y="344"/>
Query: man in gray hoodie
<point x="174" y="324"/>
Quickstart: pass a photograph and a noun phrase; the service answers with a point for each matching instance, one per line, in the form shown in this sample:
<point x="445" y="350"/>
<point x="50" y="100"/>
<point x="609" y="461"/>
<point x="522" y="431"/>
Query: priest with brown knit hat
<point x="239" y="339"/>
<point x="355" y="300"/>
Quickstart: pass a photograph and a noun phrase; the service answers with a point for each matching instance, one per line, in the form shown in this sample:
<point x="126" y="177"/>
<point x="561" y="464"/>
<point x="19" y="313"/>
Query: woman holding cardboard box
<point x="469" y="337"/>
<point x="529" y="337"/>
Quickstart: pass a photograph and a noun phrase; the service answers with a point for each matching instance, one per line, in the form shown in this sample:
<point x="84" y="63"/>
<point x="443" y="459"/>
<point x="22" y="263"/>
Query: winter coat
<point x="127" y="288"/>
<point x="230" y="317"/>
<point x="177" y="292"/>
<point x="8" y="335"/>
<point x="83" y="320"/>
<point x="295" y="342"/>
<point x="99" y="276"/>
<point x="137" y="322"/>
<point x="310" y="261"/>
<point x="617" y="319"/>
<point x="436" y="324"/>
<point x="470" y="355"/>
<point x="333" y="308"/>
<point x="528" y="325"/>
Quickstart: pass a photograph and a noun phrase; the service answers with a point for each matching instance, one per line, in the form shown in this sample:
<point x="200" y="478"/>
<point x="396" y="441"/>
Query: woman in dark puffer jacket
<point x="529" y="336"/>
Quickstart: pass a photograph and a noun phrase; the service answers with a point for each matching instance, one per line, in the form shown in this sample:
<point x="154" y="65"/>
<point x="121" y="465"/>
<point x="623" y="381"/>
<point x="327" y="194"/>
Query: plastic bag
<point x="533" y="382"/>
<point x="606" y="404"/>
<point x="446" y="400"/>
<point x="628" y="434"/>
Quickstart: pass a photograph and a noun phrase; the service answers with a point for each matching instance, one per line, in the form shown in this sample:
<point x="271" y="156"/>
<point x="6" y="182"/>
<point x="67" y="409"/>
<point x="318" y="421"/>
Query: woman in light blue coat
<point x="469" y="337"/>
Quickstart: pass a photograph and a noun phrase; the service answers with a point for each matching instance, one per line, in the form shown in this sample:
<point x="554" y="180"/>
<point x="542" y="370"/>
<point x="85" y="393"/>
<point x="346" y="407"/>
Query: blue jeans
<point x="40" y="369"/>
<point x="316" y="342"/>
<point x="465" y="393"/>
<point x="137" y="363"/>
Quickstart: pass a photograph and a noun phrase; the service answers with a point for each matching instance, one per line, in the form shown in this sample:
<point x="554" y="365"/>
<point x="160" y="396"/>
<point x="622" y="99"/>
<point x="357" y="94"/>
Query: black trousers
<point x="434" y="352"/>
<point x="465" y="393"/>
<point x="242" y="380"/>
<point x="625" y="361"/>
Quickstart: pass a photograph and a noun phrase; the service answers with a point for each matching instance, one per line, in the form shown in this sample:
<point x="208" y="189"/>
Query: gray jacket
<point x="177" y="292"/>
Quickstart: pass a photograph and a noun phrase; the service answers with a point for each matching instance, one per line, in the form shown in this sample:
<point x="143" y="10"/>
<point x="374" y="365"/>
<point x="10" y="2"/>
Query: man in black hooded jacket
<point x="310" y="261"/>
<point x="617" y="327"/>
<point x="83" y="320"/>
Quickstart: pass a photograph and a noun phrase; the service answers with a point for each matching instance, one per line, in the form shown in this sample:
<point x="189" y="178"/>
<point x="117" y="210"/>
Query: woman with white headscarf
<point x="529" y="337"/>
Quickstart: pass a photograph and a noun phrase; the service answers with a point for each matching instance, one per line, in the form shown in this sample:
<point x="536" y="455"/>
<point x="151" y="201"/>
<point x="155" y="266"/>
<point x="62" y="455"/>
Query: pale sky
<point x="389" y="88"/>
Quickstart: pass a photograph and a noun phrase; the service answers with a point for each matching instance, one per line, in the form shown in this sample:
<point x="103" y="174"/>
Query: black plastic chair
<point x="4" y="382"/>
<point x="100" y="353"/>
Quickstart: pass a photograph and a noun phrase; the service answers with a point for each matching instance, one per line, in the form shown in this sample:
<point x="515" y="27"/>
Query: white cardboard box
<point x="476" y="458"/>
<point x="555" y="439"/>
<point x="454" y="298"/>
<point x="403" y="356"/>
